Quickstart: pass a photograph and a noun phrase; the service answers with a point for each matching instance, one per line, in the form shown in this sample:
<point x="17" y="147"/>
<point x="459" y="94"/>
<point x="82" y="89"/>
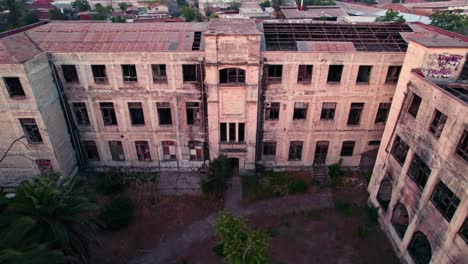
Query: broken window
<point x="116" y="150"/>
<point x="334" y="73"/>
<point x="196" y="150"/>
<point x="414" y="106"/>
<point x="99" y="74"/>
<point x="232" y="75"/>
<point x="14" y="87"/>
<point x="295" y="150"/>
<point x="420" y="249"/>
<point x="269" y="148"/>
<point x="81" y="114"/>
<point x="400" y="219"/>
<point x="143" y="151"/>
<point x="355" y="112"/>
<point x="275" y="73"/>
<point x="348" y="148"/>
<point x="45" y="166"/>
<point x="304" y="74"/>
<point x="385" y="194"/>
<point x="419" y="171"/>
<point x="30" y="129"/>
<point x="400" y="150"/>
<point x="193" y="113"/>
<point x="272" y="111"/>
<point x="300" y="111"/>
<point x="464" y="230"/>
<point x="136" y="114"/>
<point x="445" y="200"/>
<point x="190" y="72"/>
<point x="392" y="74"/>
<point x="328" y="111"/>
<point x="159" y="73"/>
<point x="108" y="114"/>
<point x="222" y="132"/>
<point x="91" y="151"/>
<point x="169" y="150"/>
<point x="438" y="123"/>
<point x="364" y="74"/>
<point x="231" y="131"/>
<point x="462" y="148"/>
<point x="164" y="114"/>
<point x="382" y="113"/>
<point x="129" y="73"/>
<point x="69" y="73"/>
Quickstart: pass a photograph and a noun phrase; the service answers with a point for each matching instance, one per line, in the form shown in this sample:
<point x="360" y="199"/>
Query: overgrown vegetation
<point x="316" y="2"/>
<point x="118" y="213"/>
<point x="239" y="244"/>
<point x="219" y="171"/>
<point x="391" y="16"/>
<point x="452" y="20"/>
<point x="16" y="14"/>
<point x="335" y="173"/>
<point x="111" y="182"/>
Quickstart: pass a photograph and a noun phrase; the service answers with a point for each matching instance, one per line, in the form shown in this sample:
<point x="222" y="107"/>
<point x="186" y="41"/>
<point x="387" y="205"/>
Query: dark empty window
<point x="304" y="74"/>
<point x="241" y="132"/>
<point x="232" y="132"/>
<point x="99" y="74"/>
<point x="374" y="143"/>
<point x="81" y="114"/>
<point x="445" y="200"/>
<point x="222" y="132"/>
<point x="334" y="73"/>
<point x="91" y="151"/>
<point x="392" y="74"/>
<point x="382" y="113"/>
<point x="14" y="87"/>
<point x="364" y="74"/>
<point x="400" y="150"/>
<point x="400" y="219"/>
<point x="116" y="150"/>
<point x="136" y="114"/>
<point x="419" y="248"/>
<point x="193" y="113"/>
<point x="108" y="114"/>
<point x="275" y="73"/>
<point x="438" y="123"/>
<point x="169" y="150"/>
<point x="69" y="73"/>
<point x="419" y="171"/>
<point x="142" y="150"/>
<point x="414" y="106"/>
<point x="129" y="73"/>
<point x="385" y="194"/>
<point x="45" y="166"/>
<point x="462" y="148"/>
<point x="190" y="72"/>
<point x="164" y="113"/>
<point x="272" y="111"/>
<point x="159" y="73"/>
<point x="232" y="75"/>
<point x="30" y="129"/>
<point x="300" y="111"/>
<point x="464" y="230"/>
<point x="269" y="148"/>
<point x="328" y="111"/>
<point x="348" y="148"/>
<point x="355" y="112"/>
<point x="195" y="150"/>
<point x="295" y="150"/>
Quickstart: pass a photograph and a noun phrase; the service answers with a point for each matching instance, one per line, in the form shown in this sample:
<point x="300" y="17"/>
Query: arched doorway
<point x="400" y="219"/>
<point x="385" y="194"/>
<point x="420" y="248"/>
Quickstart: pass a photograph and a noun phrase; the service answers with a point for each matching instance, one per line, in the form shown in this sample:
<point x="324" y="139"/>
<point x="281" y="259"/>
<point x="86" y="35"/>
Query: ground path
<point x="174" y="246"/>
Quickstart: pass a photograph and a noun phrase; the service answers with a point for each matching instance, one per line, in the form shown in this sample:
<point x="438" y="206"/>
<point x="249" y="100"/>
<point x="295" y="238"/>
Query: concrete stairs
<point x="321" y="173"/>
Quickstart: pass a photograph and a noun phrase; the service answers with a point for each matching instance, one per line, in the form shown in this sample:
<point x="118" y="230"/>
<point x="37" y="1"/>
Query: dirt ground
<point x="151" y="225"/>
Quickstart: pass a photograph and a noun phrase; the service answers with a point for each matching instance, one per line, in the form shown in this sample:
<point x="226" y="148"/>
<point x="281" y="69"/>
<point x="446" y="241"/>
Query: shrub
<point x="335" y="173"/>
<point x="361" y="231"/>
<point x="117" y="214"/>
<point x="297" y="186"/>
<point x="279" y="182"/>
<point x="111" y="182"/>
<point x="219" y="250"/>
<point x="219" y="170"/>
<point x="343" y="207"/>
<point x="371" y="215"/>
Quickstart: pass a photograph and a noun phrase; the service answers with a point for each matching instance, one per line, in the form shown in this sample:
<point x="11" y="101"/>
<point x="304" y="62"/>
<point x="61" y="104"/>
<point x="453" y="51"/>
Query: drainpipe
<point x="260" y="108"/>
<point x="204" y="109"/>
<point x="71" y="126"/>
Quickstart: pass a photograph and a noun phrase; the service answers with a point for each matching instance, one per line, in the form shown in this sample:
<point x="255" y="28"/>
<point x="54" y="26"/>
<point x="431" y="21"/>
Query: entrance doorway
<point x="321" y="151"/>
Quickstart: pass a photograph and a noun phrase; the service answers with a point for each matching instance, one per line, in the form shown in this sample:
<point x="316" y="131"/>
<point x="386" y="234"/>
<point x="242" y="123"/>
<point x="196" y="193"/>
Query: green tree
<point x="118" y="19"/>
<point x="239" y="244"/>
<point x="50" y="212"/>
<point x="123" y="6"/>
<point x="101" y="12"/>
<point x="391" y="16"/>
<point x="18" y="14"/>
<point x="316" y="2"/>
<point x="56" y="14"/>
<point x="452" y="20"/>
<point x="235" y="6"/>
<point x="81" y="5"/>
<point x="219" y="170"/>
<point x="188" y="13"/>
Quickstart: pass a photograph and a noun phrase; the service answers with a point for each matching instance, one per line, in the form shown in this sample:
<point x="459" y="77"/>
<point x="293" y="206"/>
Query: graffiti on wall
<point x="442" y="66"/>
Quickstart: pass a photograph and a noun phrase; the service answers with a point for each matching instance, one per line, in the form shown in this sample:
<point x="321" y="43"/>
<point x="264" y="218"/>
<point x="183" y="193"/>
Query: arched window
<point x="400" y="219"/>
<point x="231" y="75"/>
<point x="420" y="248"/>
<point x="385" y="194"/>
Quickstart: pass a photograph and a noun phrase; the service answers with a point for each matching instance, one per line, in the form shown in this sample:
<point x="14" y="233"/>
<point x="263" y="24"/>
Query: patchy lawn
<point x="152" y="224"/>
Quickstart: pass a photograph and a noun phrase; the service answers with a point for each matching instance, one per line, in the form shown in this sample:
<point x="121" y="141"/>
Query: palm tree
<point x="51" y="212"/>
